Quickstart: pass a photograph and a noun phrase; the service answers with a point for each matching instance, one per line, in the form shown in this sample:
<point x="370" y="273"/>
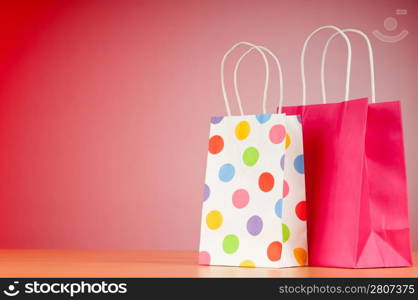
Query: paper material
<point x="254" y="210"/>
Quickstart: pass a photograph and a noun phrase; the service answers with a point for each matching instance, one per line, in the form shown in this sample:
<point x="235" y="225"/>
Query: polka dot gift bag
<point x="254" y="211"/>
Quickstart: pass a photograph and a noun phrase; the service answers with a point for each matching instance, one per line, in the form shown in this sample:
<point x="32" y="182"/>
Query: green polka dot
<point x="230" y="243"/>
<point x="286" y="233"/>
<point x="250" y="156"/>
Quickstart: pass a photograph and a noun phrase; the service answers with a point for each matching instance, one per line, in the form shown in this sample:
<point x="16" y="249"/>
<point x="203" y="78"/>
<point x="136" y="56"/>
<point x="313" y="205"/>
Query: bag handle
<point x="228" y="110"/>
<point x="371" y="59"/>
<point x="279" y="67"/>
<point x="302" y="60"/>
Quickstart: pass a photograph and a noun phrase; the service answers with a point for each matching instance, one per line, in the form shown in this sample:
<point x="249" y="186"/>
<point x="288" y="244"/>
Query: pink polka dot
<point x="240" y="198"/>
<point x="285" y="188"/>
<point x="204" y="258"/>
<point x="277" y="134"/>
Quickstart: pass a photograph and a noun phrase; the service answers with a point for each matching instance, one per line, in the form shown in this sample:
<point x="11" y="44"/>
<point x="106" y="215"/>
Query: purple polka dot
<point x="216" y="120"/>
<point x="254" y="225"/>
<point x="282" y="162"/>
<point x="206" y="192"/>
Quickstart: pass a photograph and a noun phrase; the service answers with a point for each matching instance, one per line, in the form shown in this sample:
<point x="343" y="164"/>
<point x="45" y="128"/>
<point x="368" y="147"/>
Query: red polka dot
<point x="204" y="258"/>
<point x="301" y="210"/>
<point x="266" y="182"/>
<point x="216" y="144"/>
<point x="285" y="188"/>
<point x="274" y="251"/>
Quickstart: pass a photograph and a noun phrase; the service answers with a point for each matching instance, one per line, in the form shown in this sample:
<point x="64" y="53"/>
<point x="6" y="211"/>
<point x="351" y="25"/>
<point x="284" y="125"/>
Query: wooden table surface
<point x="88" y="263"/>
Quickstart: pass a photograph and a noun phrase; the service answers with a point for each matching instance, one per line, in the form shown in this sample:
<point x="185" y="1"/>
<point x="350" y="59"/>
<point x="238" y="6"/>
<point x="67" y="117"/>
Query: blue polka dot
<point x="282" y="162"/>
<point x="299" y="165"/>
<point x="278" y="208"/>
<point x="263" y="118"/>
<point x="216" y="120"/>
<point x="299" y="118"/>
<point x="226" y="172"/>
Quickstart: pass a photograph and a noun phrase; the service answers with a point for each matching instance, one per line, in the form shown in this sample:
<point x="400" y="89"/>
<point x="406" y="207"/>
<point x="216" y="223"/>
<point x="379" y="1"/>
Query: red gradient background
<point x="105" y="106"/>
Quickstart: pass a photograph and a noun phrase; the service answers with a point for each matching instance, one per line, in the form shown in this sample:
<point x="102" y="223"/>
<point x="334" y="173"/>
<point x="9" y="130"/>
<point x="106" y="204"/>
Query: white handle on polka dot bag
<point x="302" y="60"/>
<point x="228" y="110"/>
<point x="279" y="67"/>
<point x="371" y="59"/>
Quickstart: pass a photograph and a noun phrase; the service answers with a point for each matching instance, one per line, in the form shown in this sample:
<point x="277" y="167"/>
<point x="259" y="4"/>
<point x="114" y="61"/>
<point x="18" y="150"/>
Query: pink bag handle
<point x="302" y="60"/>
<point x="371" y="59"/>
<point x="279" y="67"/>
<point x="228" y="110"/>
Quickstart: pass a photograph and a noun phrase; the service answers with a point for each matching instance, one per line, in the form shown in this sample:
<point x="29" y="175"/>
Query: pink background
<point x="105" y="106"/>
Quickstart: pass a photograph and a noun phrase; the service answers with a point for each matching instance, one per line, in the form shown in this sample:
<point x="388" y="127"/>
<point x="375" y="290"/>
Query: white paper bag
<point x="253" y="204"/>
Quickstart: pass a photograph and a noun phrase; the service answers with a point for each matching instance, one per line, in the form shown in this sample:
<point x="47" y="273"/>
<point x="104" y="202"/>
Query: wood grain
<point x="89" y="263"/>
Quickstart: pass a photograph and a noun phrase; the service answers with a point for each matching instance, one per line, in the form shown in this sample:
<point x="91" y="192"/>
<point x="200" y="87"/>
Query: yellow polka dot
<point x="214" y="219"/>
<point x="300" y="256"/>
<point x="247" y="264"/>
<point x="242" y="130"/>
<point x="287" y="141"/>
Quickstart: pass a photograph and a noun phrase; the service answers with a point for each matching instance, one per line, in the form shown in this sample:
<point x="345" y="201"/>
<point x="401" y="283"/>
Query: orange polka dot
<point x="300" y="256"/>
<point x="274" y="251"/>
<point x="266" y="182"/>
<point x="216" y="144"/>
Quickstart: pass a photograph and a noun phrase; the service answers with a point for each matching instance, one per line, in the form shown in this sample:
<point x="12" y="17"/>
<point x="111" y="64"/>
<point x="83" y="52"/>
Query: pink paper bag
<point x="355" y="176"/>
<point x="355" y="184"/>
